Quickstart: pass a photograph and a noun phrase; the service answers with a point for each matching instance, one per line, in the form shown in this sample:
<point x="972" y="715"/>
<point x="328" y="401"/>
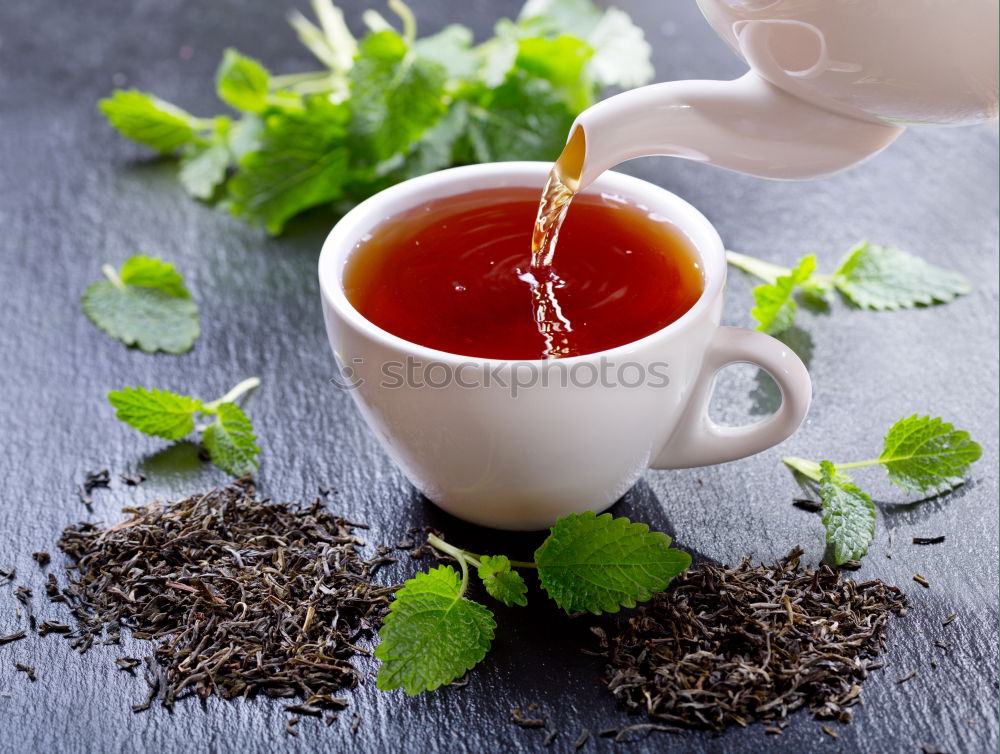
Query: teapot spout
<point x="747" y="125"/>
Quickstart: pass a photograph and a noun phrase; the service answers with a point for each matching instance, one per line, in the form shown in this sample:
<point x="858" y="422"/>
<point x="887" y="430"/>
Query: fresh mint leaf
<point x="153" y="272"/>
<point x="230" y="441"/>
<point x="621" y="53"/>
<point x="395" y="96"/>
<point x="922" y="454"/>
<point x="848" y="515"/>
<point x="432" y="634"/>
<point x="775" y="302"/>
<point x="145" y="304"/>
<point x="600" y="564"/>
<point x="301" y="162"/>
<point x="501" y="582"/>
<point x="203" y="168"/>
<point x="882" y="277"/>
<point x="149" y="120"/>
<point x="242" y="82"/>
<point x="451" y="48"/>
<point x="576" y="17"/>
<point x="562" y="62"/>
<point x="156" y="412"/>
<point x="524" y="119"/>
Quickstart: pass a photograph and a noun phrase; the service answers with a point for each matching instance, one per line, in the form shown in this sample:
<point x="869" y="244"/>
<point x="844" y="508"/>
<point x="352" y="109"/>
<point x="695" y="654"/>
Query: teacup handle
<point x="699" y="441"/>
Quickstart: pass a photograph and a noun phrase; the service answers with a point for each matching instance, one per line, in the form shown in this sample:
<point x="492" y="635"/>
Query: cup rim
<point x="341" y="240"/>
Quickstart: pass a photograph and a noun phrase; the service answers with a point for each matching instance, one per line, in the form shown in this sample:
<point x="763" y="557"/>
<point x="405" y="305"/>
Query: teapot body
<point x="931" y="62"/>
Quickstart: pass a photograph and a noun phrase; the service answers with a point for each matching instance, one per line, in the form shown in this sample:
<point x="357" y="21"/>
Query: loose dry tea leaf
<point x="242" y="597"/>
<point x="727" y="646"/>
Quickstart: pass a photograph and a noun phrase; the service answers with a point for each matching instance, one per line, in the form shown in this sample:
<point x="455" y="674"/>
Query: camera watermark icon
<point x="512" y="376"/>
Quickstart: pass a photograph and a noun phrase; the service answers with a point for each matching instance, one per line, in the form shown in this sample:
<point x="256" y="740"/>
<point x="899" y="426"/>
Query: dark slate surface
<point x="73" y="195"/>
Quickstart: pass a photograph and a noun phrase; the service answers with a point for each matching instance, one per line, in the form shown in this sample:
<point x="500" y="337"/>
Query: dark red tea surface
<point x="454" y="275"/>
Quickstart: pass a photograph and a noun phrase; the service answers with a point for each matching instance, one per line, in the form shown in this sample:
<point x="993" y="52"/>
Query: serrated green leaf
<point x="395" y="96"/>
<point x="242" y="82"/>
<point x="149" y="120"/>
<point x="203" y="169"/>
<point x="600" y="564"/>
<point x="501" y="582"/>
<point x="432" y="634"/>
<point x="301" y="162"/>
<point x="848" y="515"/>
<point x="562" y="62"/>
<point x="622" y="56"/>
<point x="451" y="48"/>
<point x="576" y="17"/>
<point x="775" y="302"/>
<point x="882" y="277"/>
<point x="922" y="454"/>
<point x="155" y="412"/>
<point x="524" y="119"/>
<point x="230" y="441"/>
<point x="146" y="305"/>
<point x="153" y="272"/>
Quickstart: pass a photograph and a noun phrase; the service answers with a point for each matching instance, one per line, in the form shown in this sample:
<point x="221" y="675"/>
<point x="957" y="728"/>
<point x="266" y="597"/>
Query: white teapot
<point x="831" y="82"/>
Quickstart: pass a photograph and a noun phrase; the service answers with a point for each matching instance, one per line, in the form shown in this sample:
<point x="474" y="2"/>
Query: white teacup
<point x="517" y="444"/>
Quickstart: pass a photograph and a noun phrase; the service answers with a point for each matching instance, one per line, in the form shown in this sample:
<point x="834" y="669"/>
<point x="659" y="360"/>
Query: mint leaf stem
<point x="402" y="10"/>
<point x="766" y="271"/>
<point x="245" y="386"/>
<point x="476" y="560"/>
<point x="812" y="470"/>
<point x="112" y="274"/>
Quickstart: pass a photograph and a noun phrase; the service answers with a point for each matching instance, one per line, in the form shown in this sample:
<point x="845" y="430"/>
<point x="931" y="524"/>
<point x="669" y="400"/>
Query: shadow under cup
<point x="515" y="444"/>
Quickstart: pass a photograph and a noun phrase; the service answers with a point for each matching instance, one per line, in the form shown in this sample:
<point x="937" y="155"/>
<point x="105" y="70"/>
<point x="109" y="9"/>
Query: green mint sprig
<point x="144" y="304"/>
<point x="869" y="276"/>
<point x="433" y="633"/>
<point x="228" y="436"/>
<point x="920" y="454"/>
<point x="388" y="106"/>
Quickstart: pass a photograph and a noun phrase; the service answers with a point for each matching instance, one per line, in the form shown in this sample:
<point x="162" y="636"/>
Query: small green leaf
<point x="922" y="454"/>
<point x="153" y="272"/>
<point x="230" y="441"/>
<point x="155" y="412"/>
<point x="622" y="56"/>
<point x="432" y="634"/>
<point x="848" y="515"/>
<point x="562" y="62"/>
<point x="242" y="82"/>
<point x="524" y="119"/>
<point x="882" y="277"/>
<point x="501" y="582"/>
<point x="301" y="162"/>
<point x="203" y="169"/>
<point x="149" y="120"/>
<point x="144" y="305"/>
<point x="599" y="563"/>
<point x="576" y="17"/>
<point x="451" y="48"/>
<point x="775" y="309"/>
<point x="395" y="96"/>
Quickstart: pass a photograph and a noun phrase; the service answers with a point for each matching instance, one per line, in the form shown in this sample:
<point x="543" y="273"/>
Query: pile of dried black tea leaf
<point x="726" y="646"/>
<point x="242" y="596"/>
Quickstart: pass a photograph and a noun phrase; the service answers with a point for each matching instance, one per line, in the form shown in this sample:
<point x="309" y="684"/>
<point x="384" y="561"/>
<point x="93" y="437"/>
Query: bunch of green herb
<point x="869" y="276"/>
<point x="920" y="454"/>
<point x="389" y="106"/>
<point x="227" y="437"/>
<point x="144" y="304"/>
<point x="433" y="633"/>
